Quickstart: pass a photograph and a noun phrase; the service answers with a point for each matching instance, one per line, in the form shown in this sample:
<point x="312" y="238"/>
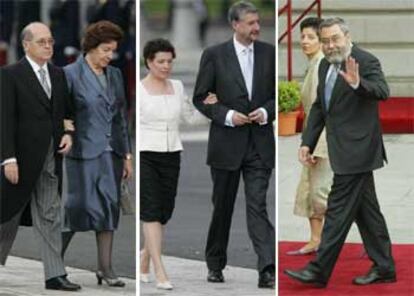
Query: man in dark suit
<point x="351" y="83"/>
<point x="241" y="72"/>
<point x="34" y="103"/>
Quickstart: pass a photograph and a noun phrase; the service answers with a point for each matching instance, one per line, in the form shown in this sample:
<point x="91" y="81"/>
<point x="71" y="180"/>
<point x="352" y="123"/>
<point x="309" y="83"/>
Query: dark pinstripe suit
<point x="31" y="129"/>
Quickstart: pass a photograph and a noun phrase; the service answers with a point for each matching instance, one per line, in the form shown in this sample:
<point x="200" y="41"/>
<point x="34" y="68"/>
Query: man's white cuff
<point x="229" y="118"/>
<point x="9" y="160"/>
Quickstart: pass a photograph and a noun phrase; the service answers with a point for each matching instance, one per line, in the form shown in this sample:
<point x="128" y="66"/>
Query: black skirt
<point x="158" y="185"/>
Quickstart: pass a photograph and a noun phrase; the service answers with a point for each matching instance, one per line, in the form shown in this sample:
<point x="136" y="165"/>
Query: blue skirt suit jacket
<point x="94" y="165"/>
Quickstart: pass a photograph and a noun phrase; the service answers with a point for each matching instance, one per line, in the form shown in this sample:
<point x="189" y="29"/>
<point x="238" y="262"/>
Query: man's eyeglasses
<point x="44" y="42"/>
<point x="334" y="39"/>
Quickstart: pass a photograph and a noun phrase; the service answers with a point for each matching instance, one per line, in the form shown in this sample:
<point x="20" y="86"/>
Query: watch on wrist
<point x="128" y="157"/>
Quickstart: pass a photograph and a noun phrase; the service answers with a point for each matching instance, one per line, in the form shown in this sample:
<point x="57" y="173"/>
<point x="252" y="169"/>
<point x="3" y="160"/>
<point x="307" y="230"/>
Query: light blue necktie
<point x="329" y="85"/>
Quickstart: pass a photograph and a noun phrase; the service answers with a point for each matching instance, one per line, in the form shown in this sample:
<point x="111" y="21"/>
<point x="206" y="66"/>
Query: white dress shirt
<point x="36" y="69"/>
<point x="245" y="56"/>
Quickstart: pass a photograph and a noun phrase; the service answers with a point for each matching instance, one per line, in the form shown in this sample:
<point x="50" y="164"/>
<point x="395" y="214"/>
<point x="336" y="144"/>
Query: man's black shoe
<point x="215" y="276"/>
<point x="375" y="277"/>
<point x="61" y="283"/>
<point x="267" y="279"/>
<point x="306" y="276"/>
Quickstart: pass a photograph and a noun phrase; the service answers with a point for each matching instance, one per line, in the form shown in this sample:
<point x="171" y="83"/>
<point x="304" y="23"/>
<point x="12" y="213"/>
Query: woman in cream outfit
<point x="163" y="105"/>
<point x="316" y="180"/>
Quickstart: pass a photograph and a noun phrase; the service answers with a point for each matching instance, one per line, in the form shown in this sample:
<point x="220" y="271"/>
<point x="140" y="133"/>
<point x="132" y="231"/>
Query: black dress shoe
<point x="61" y="283"/>
<point x="375" y="277"/>
<point x="215" y="276"/>
<point x="266" y="279"/>
<point x="306" y="276"/>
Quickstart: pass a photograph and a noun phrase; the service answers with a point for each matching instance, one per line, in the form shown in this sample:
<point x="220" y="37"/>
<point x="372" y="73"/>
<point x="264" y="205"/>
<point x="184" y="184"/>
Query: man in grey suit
<point x="34" y="103"/>
<point x="241" y="72"/>
<point x="351" y="83"/>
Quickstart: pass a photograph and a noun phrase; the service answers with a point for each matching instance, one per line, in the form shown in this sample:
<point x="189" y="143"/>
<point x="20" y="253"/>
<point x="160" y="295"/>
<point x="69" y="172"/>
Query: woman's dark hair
<point x="154" y="46"/>
<point x="311" y="22"/>
<point x="101" y="32"/>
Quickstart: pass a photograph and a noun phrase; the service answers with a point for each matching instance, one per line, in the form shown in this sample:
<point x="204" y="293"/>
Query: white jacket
<point x="160" y="117"/>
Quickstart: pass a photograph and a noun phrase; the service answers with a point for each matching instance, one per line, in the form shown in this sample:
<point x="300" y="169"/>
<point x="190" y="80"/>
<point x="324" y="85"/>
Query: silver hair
<point x="240" y="8"/>
<point x="329" y="22"/>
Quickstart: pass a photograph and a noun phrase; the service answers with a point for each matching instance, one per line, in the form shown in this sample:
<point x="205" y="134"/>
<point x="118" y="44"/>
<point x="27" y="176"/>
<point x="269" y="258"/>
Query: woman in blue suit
<point x="101" y="153"/>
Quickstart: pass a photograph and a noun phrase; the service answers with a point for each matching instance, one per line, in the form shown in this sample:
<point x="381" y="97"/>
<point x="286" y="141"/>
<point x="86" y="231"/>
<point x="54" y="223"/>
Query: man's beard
<point x="338" y="56"/>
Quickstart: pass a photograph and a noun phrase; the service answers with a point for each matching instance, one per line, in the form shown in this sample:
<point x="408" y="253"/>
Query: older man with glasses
<point x="34" y="103"/>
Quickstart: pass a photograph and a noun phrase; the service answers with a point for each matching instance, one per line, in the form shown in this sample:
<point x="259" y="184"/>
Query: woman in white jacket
<point x="163" y="106"/>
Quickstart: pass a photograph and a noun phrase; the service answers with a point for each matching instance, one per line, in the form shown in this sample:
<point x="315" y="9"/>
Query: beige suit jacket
<point x="308" y="96"/>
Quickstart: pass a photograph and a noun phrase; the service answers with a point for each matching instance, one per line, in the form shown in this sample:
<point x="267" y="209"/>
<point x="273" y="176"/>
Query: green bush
<point x="289" y="96"/>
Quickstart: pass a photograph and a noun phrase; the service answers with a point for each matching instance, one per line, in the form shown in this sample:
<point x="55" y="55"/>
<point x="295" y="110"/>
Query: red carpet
<point x="349" y="265"/>
<point x="396" y="114"/>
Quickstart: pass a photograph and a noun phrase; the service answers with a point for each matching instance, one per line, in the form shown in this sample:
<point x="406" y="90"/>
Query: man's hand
<point x="65" y="144"/>
<point x="257" y="116"/>
<point x="127" y="173"/>
<point x="210" y="99"/>
<point x="305" y="157"/>
<point x="11" y="172"/>
<point x="240" y="119"/>
<point x="351" y="74"/>
<point x="69" y="125"/>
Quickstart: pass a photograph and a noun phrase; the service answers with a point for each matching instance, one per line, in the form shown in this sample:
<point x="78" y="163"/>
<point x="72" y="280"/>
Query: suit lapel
<point x="53" y="80"/>
<point x="339" y="86"/>
<point x="234" y="66"/>
<point x="34" y="83"/>
<point x="325" y="67"/>
<point x="92" y="80"/>
<point x="110" y="80"/>
<point x="257" y="65"/>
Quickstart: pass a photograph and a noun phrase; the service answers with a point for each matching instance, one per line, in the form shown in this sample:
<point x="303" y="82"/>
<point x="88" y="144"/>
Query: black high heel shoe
<point x="110" y="282"/>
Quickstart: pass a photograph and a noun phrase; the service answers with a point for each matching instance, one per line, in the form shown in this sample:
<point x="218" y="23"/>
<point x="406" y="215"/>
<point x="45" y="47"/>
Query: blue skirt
<point x="93" y="193"/>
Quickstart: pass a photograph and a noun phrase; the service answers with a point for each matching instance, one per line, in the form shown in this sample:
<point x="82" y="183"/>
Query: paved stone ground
<point x="189" y="279"/>
<point x="24" y="277"/>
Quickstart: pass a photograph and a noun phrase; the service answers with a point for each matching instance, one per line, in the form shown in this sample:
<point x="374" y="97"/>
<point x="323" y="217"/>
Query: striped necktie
<point x="43" y="82"/>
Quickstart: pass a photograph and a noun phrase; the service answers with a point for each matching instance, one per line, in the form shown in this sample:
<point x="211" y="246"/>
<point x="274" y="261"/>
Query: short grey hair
<point x="240" y="8"/>
<point x="329" y="22"/>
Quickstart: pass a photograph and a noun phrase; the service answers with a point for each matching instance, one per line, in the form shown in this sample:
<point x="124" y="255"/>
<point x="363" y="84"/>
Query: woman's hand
<point x="210" y="99"/>
<point x="127" y="173"/>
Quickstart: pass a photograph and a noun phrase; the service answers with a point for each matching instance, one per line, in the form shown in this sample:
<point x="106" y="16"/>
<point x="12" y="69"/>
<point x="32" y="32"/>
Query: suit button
<point x="108" y="135"/>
